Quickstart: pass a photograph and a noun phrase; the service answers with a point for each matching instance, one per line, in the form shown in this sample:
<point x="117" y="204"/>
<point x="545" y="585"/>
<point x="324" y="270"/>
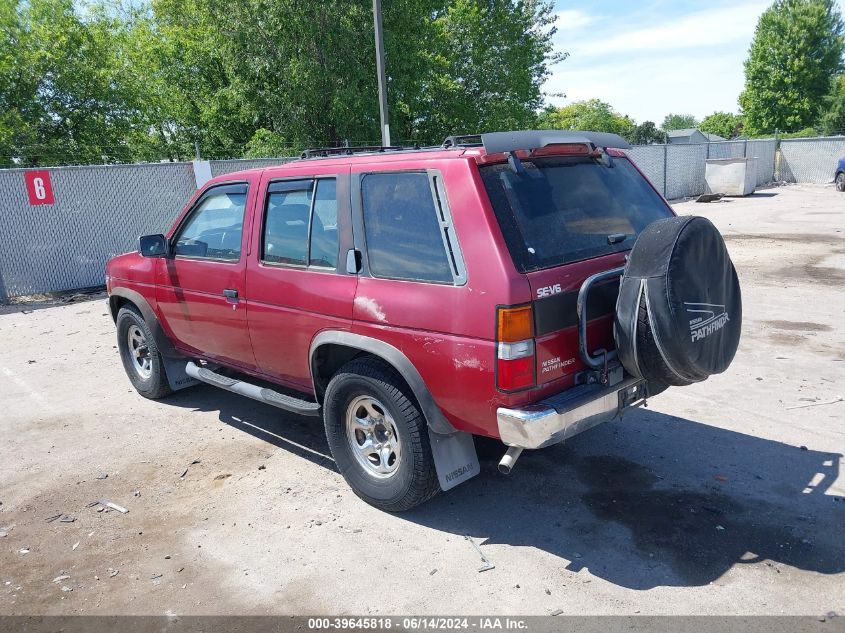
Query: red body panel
<point x="557" y="352"/>
<point x="448" y="332"/>
<point x="197" y="316"/>
<point x="191" y="304"/>
<point x="289" y="306"/>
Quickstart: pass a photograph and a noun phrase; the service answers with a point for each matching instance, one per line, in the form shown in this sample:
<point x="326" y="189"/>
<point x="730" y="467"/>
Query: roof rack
<point x="493" y="143"/>
<point x="324" y="152"/>
<point x="463" y="140"/>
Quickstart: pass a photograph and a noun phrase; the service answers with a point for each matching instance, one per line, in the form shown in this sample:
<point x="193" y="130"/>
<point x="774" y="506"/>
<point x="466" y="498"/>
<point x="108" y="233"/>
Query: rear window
<point x="562" y="209"/>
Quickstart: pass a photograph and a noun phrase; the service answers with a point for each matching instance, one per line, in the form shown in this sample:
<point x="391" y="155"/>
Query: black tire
<point x="840" y="181"/>
<point x="679" y="311"/>
<point x="154" y="385"/>
<point x="651" y="361"/>
<point x="414" y="480"/>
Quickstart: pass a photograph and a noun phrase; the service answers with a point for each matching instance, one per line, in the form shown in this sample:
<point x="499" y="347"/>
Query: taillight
<point x="515" y="364"/>
<point x="514" y="324"/>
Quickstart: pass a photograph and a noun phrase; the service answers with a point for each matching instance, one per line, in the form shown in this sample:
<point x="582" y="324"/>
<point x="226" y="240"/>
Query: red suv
<point x="414" y="298"/>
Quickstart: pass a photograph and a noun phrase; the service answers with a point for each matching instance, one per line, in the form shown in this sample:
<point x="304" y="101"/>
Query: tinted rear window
<point x="565" y="209"/>
<point x="404" y="240"/>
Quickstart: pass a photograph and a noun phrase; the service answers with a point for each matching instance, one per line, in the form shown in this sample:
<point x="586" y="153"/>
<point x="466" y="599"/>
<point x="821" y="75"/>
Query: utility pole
<point x="382" y="80"/>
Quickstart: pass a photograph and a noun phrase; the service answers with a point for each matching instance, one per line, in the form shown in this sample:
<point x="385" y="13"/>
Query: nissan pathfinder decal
<point x="713" y="320"/>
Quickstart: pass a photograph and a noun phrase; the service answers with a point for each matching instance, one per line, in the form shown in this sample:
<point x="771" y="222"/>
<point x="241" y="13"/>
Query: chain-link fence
<point x="684" y="170"/>
<point x="727" y="149"/>
<point x="677" y="171"/>
<point x="98" y="211"/>
<point x="765" y="151"/>
<point x="651" y="159"/>
<point x="227" y="166"/>
<point x="101" y="210"/>
<point x="809" y="159"/>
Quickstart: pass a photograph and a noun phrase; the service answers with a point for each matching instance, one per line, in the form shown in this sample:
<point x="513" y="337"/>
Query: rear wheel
<point x="378" y="436"/>
<point x="140" y="355"/>
<point x="840" y="181"/>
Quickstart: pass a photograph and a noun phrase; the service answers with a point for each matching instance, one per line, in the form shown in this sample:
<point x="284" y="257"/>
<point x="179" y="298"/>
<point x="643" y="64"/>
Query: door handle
<point x="353" y="261"/>
<point x="230" y="294"/>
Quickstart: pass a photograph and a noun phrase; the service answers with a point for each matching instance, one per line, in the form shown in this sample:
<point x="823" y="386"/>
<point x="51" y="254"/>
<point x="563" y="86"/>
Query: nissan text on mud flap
<point x="521" y="286"/>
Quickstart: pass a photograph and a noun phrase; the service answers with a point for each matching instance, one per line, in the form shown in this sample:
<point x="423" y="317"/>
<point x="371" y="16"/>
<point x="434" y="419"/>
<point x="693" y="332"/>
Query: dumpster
<point x="731" y="176"/>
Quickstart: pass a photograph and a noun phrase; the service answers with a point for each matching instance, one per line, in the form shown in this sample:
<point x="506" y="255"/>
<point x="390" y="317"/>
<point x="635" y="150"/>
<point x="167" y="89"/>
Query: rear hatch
<point x="566" y="216"/>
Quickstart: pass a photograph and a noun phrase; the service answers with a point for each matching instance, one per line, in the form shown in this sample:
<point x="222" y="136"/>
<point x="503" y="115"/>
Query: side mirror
<point x="152" y="246"/>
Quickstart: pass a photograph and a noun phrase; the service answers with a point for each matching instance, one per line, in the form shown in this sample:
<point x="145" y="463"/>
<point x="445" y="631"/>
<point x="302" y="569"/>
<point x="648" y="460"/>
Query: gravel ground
<point x="720" y="498"/>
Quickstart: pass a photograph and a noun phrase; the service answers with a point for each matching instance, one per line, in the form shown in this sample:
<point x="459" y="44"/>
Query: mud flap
<point x="176" y="375"/>
<point x="454" y="458"/>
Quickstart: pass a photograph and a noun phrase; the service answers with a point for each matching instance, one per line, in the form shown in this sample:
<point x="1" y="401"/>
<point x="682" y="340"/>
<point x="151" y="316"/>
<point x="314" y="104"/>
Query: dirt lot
<point x="720" y="498"/>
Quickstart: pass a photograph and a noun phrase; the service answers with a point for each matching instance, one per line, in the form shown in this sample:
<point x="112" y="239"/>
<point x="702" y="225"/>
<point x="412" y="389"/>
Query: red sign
<point x="38" y="187"/>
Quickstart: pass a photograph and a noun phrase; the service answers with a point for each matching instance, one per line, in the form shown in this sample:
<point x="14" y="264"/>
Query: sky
<point x="648" y="58"/>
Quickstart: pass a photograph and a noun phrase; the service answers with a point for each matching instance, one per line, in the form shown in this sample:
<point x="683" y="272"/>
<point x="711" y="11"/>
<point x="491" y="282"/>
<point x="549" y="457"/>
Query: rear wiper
<point x="605" y="158"/>
<point x="515" y="164"/>
<point x="615" y="238"/>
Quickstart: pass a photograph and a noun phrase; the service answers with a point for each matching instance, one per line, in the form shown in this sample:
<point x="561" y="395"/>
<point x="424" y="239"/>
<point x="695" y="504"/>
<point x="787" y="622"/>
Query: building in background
<point x="691" y="135"/>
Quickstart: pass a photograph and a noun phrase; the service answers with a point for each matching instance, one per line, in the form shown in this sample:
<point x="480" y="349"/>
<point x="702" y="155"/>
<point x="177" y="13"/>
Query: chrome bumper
<point x="567" y="414"/>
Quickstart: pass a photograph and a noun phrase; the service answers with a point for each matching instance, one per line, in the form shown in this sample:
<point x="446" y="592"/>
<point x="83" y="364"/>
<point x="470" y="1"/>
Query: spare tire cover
<point x="679" y="311"/>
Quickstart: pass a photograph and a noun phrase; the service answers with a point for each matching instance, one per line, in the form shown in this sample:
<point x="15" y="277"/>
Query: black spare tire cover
<point x="679" y="311"/>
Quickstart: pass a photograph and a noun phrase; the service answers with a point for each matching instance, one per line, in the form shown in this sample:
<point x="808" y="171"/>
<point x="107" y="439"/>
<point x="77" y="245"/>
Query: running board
<point x="262" y="394"/>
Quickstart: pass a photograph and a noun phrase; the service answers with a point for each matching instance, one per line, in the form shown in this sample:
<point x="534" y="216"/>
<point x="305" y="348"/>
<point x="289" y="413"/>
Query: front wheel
<point x="378" y="436"/>
<point x="140" y="355"/>
<point x="840" y="181"/>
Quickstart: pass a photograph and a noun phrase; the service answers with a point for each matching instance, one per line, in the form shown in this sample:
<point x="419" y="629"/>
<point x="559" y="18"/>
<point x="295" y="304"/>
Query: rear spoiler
<point x="500" y="142"/>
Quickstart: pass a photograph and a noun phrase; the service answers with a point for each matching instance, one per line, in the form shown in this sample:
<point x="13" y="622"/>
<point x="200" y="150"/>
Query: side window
<point x="294" y="207"/>
<point x="215" y="228"/>
<point x="324" y="225"/>
<point x="404" y="239"/>
<point x="286" y="224"/>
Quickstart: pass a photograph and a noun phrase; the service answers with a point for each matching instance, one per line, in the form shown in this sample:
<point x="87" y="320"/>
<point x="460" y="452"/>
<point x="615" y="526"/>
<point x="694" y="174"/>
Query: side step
<point x="262" y="394"/>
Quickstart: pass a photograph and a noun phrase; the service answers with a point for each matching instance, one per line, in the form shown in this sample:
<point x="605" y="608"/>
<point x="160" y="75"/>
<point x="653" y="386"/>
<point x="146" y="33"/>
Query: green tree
<point x="64" y="93"/>
<point x="806" y="132"/>
<point x="679" y="122"/>
<point x="486" y="65"/>
<point x="305" y="72"/>
<point x="105" y="80"/>
<point x="267" y="144"/>
<point x="593" y="115"/>
<point x="191" y="85"/>
<point x="832" y="120"/>
<point x="647" y="133"/>
<point x="796" y="52"/>
<point x="16" y="89"/>
<point x="724" y="124"/>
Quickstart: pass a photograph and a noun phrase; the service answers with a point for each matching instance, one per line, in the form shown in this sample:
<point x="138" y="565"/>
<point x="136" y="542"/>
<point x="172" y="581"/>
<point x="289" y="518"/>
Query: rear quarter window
<point x="403" y="235"/>
<point x="564" y="209"/>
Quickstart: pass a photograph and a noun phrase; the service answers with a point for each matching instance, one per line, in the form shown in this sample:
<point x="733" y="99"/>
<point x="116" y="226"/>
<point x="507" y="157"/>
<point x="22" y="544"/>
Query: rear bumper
<point x="567" y="414"/>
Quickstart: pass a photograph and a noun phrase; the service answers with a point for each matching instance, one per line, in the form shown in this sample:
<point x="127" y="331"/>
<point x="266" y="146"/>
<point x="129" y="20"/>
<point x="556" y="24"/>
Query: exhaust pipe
<point x="508" y="460"/>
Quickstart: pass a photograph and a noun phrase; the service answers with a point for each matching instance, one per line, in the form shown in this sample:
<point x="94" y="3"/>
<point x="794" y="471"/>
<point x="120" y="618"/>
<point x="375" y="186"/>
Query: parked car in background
<point x="839" y="176"/>
<point x="415" y="298"/>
